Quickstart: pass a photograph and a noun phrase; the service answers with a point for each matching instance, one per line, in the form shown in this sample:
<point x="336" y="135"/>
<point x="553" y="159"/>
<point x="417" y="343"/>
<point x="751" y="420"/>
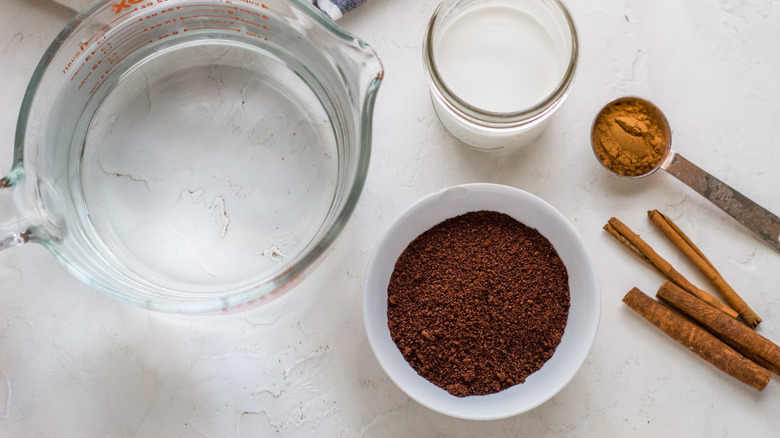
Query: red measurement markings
<point x="78" y="70"/>
<point x="207" y="7"/>
<point x="220" y="11"/>
<point x="138" y="44"/>
<point x="70" y="64"/>
<point x="121" y="16"/>
<point x="257" y="36"/>
<point x="102" y="31"/>
<point x="217" y="18"/>
<point x="125" y="4"/>
<point x="247" y="11"/>
<point x="212" y="28"/>
<point x="101" y="34"/>
<point x="228" y="9"/>
<point x="114" y="56"/>
<point x="109" y="47"/>
<point x="122" y="34"/>
<point x="251" y="23"/>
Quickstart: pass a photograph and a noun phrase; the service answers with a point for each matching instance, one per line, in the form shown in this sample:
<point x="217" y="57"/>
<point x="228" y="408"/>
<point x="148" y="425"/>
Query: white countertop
<point x="76" y="363"/>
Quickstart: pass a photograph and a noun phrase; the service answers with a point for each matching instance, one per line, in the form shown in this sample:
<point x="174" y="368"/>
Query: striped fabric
<point x="336" y="8"/>
<point x="332" y="8"/>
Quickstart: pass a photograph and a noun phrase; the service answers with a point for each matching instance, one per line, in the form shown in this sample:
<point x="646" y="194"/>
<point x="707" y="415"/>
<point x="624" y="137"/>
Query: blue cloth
<point x="336" y="8"/>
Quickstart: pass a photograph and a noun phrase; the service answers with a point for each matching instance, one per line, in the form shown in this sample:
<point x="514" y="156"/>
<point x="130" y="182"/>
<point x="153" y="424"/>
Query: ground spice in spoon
<point x="478" y="303"/>
<point x="628" y="137"/>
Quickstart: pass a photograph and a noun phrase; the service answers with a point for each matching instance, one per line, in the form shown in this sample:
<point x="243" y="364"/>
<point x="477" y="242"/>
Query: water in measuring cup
<point x="499" y="58"/>
<point x="209" y="162"/>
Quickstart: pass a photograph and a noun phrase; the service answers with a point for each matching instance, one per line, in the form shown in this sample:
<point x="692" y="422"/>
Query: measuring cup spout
<point x="17" y="222"/>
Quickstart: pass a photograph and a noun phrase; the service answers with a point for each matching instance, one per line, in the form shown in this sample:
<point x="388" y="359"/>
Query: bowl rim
<point x="577" y="341"/>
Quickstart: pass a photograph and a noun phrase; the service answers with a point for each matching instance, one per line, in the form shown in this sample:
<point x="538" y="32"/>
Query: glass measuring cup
<point x="192" y="155"/>
<point x="755" y="218"/>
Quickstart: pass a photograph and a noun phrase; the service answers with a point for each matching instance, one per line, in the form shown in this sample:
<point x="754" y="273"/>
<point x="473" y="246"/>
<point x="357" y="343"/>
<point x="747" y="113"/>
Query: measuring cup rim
<point x="93" y="8"/>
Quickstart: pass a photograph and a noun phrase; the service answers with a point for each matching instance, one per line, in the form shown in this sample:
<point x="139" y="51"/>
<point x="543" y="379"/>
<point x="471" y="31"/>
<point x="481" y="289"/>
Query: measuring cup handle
<point x="16" y="226"/>
<point x="754" y="217"/>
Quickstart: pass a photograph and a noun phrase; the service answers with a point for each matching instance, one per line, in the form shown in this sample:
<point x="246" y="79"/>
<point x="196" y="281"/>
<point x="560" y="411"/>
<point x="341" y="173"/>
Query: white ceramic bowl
<point x="580" y="329"/>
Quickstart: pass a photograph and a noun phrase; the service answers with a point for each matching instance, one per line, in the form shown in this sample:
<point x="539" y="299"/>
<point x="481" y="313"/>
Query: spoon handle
<point x="754" y="217"/>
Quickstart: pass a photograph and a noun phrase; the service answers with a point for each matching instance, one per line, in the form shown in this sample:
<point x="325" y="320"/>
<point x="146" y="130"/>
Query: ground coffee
<point x="478" y="303"/>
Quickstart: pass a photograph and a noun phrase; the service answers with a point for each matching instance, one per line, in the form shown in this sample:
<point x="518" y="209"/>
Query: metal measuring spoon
<point x="754" y="217"/>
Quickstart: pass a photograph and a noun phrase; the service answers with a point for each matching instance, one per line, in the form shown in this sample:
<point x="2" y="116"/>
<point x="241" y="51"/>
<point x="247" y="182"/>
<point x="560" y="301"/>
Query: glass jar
<point x="498" y="69"/>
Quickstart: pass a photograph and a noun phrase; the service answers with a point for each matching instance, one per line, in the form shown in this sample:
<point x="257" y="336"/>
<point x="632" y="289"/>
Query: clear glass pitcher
<point x="192" y="155"/>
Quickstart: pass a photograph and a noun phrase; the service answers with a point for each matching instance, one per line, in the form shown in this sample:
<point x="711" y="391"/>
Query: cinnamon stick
<point x="754" y="346"/>
<point x="694" y="254"/>
<point x="698" y="340"/>
<point x="631" y="240"/>
<point x="630" y="246"/>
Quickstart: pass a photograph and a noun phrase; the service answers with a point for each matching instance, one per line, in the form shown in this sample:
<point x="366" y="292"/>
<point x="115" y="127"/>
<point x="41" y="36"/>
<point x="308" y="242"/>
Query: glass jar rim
<point x="497" y="119"/>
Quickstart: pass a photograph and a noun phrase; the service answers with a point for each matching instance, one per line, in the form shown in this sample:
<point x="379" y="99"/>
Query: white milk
<point x="498" y="58"/>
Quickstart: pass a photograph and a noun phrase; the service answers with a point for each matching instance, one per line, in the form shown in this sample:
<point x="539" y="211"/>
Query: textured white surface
<point x="75" y="363"/>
